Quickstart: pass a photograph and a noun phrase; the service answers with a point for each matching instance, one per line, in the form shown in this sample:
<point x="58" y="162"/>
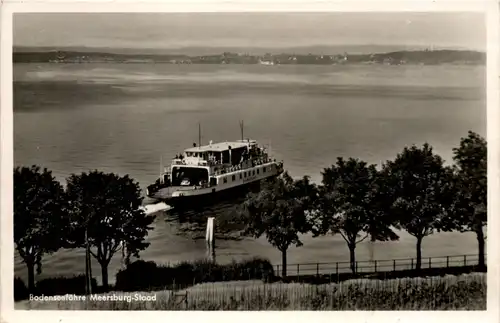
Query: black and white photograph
<point x="250" y="161"/>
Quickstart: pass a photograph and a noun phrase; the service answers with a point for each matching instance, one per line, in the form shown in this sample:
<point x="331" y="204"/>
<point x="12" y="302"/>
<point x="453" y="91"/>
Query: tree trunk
<point x="283" y="263"/>
<point x="480" y="241"/>
<point x="31" y="277"/>
<point x="419" y="253"/>
<point x="104" y="271"/>
<point x="352" y="257"/>
<point x="88" y="266"/>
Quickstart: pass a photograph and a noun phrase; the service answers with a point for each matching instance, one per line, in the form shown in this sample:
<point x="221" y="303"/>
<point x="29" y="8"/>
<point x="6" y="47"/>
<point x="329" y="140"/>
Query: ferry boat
<point x="213" y="172"/>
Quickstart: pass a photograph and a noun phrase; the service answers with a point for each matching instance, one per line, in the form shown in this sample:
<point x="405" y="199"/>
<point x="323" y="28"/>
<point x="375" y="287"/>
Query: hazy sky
<point x="174" y="30"/>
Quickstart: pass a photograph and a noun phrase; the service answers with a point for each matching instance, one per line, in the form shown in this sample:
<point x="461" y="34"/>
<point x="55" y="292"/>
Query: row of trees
<point x="96" y="211"/>
<point x="416" y="192"/>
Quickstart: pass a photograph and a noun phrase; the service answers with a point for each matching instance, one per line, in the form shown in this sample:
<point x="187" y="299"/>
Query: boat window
<point x="188" y="176"/>
<point x="245" y="174"/>
<point x="225" y="179"/>
<point x="240" y="176"/>
<point x="213" y="181"/>
<point x="234" y="178"/>
<point x="264" y="169"/>
<point x="257" y="170"/>
<point x="253" y="173"/>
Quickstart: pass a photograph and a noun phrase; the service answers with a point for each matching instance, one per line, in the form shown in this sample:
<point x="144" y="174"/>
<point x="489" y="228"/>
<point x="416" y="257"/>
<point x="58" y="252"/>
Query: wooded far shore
<point x="418" y="57"/>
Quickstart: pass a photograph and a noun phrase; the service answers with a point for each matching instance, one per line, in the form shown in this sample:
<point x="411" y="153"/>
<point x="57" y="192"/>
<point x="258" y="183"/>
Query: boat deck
<point x="166" y="192"/>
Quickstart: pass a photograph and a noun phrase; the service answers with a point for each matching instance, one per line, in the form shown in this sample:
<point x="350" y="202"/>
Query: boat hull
<point x="207" y="197"/>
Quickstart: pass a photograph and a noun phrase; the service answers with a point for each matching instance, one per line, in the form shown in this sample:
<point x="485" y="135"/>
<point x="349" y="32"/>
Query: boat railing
<point x="201" y="186"/>
<point x="210" y="162"/>
<point x="235" y="168"/>
<point x="202" y="162"/>
<point x="178" y="162"/>
<point x="259" y="160"/>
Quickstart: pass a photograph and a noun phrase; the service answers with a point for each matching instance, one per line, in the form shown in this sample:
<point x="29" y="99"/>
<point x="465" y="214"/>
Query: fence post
<point x="447" y="261"/>
<point x="465" y="260"/>
<point x="375" y="266"/>
<point x="430" y="262"/>
<point x="394" y="265"/>
<point x="317" y="269"/>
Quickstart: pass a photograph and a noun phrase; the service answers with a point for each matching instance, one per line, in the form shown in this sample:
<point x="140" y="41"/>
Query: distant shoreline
<point x="420" y="57"/>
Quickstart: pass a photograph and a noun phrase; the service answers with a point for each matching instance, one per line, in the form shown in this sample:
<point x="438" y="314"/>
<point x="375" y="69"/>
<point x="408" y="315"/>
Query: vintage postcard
<point x="336" y="158"/>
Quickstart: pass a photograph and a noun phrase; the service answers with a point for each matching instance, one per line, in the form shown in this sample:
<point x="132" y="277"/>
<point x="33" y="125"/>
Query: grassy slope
<point x="465" y="292"/>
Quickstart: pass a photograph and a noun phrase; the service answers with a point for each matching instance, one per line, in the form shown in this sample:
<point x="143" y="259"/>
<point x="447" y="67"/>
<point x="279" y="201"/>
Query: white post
<point x="210" y="238"/>
<point x="208" y="235"/>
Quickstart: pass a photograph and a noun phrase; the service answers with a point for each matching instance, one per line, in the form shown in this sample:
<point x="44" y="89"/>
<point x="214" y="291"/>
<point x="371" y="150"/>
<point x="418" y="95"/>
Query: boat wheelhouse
<point x="204" y="173"/>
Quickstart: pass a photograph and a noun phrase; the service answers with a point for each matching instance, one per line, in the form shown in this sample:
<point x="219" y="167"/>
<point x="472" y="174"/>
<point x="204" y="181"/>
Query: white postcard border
<point x="7" y="314"/>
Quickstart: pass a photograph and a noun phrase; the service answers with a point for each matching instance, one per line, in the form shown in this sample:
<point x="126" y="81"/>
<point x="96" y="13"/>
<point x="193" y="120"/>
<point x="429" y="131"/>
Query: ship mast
<point x="199" y="135"/>
<point x="241" y="129"/>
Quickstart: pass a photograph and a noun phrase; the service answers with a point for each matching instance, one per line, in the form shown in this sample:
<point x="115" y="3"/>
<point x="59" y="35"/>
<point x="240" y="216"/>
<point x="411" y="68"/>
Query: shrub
<point x="259" y="268"/>
<point x="20" y="289"/>
<point x="139" y="275"/>
<point x="142" y="275"/>
<point x="63" y="285"/>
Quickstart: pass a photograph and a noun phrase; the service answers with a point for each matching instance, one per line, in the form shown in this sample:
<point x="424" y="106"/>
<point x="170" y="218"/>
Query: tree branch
<point x="343" y="236"/>
<point x="99" y="250"/>
<point x="93" y="254"/>
<point x="21" y="252"/>
<point x="113" y="248"/>
<point x="366" y="236"/>
<point x="117" y="246"/>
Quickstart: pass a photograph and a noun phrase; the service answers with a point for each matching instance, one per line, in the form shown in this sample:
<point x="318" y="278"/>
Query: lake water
<point x="124" y="118"/>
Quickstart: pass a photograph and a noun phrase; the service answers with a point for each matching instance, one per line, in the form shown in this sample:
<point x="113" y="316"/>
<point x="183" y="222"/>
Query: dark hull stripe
<point x="190" y="202"/>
